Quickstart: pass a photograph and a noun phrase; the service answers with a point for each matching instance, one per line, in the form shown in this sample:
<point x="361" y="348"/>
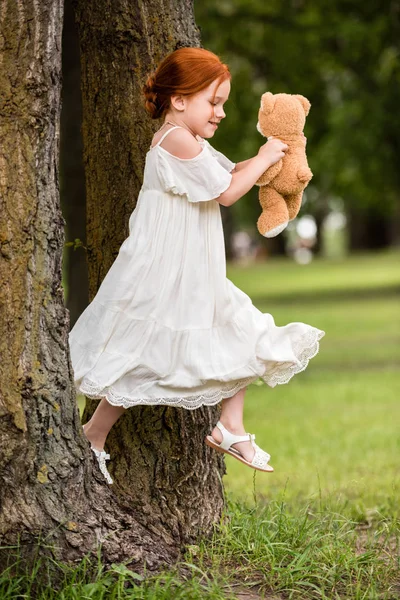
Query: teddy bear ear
<point x="267" y="102"/>
<point x="304" y="102"/>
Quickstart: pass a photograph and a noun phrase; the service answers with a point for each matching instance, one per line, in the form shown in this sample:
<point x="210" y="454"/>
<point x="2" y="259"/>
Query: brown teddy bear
<point x="281" y="186"/>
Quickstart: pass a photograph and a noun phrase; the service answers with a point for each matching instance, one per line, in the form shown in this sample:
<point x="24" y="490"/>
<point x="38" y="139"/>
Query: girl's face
<point x="201" y="112"/>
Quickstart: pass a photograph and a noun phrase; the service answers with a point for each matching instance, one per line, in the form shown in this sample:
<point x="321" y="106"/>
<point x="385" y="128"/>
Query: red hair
<point x="185" y="71"/>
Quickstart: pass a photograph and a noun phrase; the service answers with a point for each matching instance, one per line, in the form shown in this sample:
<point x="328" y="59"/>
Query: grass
<point x="281" y="279"/>
<point x="263" y="549"/>
<point x="334" y="427"/>
<point x="325" y="524"/>
<point x="342" y="441"/>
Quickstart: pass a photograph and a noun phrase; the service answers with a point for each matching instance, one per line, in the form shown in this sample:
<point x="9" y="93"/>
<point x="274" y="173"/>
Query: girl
<point x="166" y="326"/>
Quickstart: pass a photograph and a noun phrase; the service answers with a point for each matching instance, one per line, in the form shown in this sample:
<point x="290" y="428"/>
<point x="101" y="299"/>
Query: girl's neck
<point x="171" y="121"/>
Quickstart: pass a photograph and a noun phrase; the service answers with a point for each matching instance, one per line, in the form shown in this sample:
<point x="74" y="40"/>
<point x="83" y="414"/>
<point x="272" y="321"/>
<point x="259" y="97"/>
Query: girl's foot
<point x="236" y="445"/>
<point x="100" y="453"/>
<point x="96" y="441"/>
<point x="245" y="448"/>
<point x="101" y="459"/>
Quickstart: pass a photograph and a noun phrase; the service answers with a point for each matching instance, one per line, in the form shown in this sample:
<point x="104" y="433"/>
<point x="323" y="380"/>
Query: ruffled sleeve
<point x="221" y="158"/>
<point x="200" y="179"/>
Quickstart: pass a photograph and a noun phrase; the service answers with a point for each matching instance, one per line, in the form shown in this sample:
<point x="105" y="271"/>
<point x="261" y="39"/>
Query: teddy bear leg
<point x="275" y="216"/>
<point x="293" y="204"/>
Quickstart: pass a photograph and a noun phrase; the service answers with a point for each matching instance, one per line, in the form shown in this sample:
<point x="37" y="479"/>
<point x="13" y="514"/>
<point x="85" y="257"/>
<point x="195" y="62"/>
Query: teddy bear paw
<point x="276" y="230"/>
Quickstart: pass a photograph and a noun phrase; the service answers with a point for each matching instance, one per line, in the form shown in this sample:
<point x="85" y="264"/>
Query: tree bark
<point x="72" y="174"/>
<point x="49" y="501"/>
<point x="159" y="457"/>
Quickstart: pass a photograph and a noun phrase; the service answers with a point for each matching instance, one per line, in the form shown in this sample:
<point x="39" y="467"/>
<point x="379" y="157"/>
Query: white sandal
<point x="102" y="456"/>
<point x="260" y="458"/>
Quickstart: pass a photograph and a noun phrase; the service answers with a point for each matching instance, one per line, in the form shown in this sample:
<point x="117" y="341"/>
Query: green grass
<point x="339" y="439"/>
<point x="280" y="278"/>
<point x="334" y="426"/>
<point x="315" y="551"/>
<point x="325" y="524"/>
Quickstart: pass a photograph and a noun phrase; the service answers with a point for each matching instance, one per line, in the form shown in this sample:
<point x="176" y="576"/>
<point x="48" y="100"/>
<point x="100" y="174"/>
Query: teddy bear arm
<point x="304" y="174"/>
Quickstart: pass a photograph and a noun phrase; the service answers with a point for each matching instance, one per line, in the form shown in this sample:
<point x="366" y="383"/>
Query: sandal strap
<point x="102" y="456"/>
<point x="229" y="438"/>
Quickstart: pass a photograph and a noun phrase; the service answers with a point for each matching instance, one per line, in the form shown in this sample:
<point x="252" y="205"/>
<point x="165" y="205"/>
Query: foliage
<point x="345" y="57"/>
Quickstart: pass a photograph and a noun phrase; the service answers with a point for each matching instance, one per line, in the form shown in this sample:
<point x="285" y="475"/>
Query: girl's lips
<point x="215" y="125"/>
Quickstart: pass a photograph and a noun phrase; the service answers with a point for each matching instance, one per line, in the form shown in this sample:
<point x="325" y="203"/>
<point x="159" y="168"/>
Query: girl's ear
<point x="267" y="102"/>
<point x="304" y="102"/>
<point x="178" y="102"/>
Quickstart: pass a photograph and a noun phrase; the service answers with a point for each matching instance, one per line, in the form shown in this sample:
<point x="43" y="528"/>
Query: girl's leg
<point x="103" y="418"/>
<point x="232" y="418"/>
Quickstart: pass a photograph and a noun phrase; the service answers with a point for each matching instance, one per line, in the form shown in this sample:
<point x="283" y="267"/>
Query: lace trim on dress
<point x="90" y="389"/>
<point x="306" y="347"/>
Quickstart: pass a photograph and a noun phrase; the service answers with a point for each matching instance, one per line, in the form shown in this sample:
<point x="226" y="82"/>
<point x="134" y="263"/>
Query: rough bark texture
<point x="72" y="174"/>
<point x="46" y="483"/>
<point x="159" y="458"/>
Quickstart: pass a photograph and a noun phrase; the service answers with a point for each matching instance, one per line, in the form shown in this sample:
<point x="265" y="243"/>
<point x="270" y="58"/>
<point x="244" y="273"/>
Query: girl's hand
<point x="272" y="151"/>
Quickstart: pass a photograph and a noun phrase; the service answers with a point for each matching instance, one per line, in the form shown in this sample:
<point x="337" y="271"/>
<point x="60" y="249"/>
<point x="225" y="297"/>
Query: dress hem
<point x="305" y="348"/>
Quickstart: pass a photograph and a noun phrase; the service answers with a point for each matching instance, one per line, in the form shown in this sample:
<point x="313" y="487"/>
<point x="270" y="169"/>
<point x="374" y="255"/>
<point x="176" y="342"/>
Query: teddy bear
<point x="281" y="186"/>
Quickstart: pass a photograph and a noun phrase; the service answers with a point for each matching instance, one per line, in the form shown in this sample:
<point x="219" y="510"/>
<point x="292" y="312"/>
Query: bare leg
<point x="232" y="418"/>
<point x="103" y="418"/>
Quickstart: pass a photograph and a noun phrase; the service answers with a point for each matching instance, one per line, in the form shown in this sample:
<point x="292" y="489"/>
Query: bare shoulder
<point x="181" y="144"/>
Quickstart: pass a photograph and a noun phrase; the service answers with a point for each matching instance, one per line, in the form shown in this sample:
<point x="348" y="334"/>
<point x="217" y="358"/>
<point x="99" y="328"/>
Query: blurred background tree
<point x="344" y="56"/>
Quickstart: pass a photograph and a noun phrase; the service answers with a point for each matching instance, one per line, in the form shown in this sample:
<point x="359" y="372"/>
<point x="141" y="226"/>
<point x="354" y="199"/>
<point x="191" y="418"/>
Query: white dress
<point x="166" y="326"/>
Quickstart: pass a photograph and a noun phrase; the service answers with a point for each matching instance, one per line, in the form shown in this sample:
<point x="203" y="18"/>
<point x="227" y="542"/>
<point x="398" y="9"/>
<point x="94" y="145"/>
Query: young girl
<point x="166" y="326"/>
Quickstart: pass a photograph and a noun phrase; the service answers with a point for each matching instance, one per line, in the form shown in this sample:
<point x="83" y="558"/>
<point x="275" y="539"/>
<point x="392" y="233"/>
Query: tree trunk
<point x="72" y="174"/>
<point x="159" y="457"/>
<point x="47" y="491"/>
<point x="394" y="228"/>
<point x="369" y="229"/>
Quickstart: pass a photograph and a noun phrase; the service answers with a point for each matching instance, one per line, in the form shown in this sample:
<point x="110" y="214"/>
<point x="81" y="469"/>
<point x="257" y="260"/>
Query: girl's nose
<point x="220" y="113"/>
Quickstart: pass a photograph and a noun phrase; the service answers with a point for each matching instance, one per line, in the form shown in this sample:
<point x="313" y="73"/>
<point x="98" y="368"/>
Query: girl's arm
<point x="251" y="170"/>
<point x="240" y="165"/>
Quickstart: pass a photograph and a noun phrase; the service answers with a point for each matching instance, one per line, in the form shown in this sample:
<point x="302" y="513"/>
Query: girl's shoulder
<point x="179" y="142"/>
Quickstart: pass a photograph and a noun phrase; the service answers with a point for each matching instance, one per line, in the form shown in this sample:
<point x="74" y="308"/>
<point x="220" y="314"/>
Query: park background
<point x="333" y="428"/>
<point x="333" y="431"/>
